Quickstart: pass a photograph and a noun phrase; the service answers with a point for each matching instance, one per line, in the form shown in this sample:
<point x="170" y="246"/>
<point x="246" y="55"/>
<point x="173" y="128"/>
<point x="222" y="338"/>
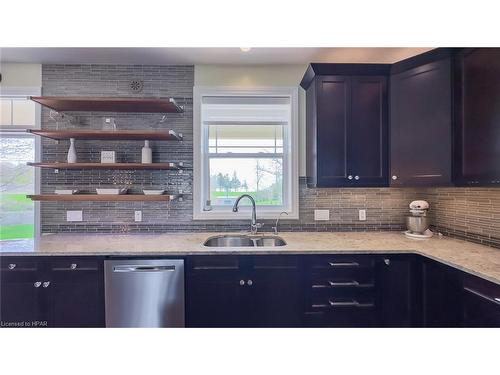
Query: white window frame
<point x="290" y="160"/>
<point x="20" y="131"/>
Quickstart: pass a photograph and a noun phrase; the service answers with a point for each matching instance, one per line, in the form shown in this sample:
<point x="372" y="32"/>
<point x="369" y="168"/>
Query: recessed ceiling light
<point x="245" y="49"/>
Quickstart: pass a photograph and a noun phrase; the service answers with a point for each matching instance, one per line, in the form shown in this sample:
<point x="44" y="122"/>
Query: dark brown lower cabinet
<point x="244" y="291"/>
<point x="21" y="303"/>
<point x="350" y="290"/>
<point x="481" y="303"/>
<point x="442" y="295"/>
<point x="52" y="292"/>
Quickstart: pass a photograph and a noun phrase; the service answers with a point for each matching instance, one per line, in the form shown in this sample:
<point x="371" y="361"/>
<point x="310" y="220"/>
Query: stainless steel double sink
<point x="244" y="241"/>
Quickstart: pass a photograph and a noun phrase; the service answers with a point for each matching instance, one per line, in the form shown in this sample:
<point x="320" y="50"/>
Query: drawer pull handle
<point x="37" y="284"/>
<point x="344" y="283"/>
<point x="46" y="284"/>
<point x="343" y="264"/>
<point x="249" y="282"/>
<point x="352" y="303"/>
<point x="242" y="282"/>
<point x="73" y="266"/>
<point x="12" y="266"/>
<point x="497" y="299"/>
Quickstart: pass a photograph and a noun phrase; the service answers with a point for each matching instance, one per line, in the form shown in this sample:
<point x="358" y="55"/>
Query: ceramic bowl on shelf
<point x="66" y="191"/>
<point x="152" y="192"/>
<point x="111" y="191"/>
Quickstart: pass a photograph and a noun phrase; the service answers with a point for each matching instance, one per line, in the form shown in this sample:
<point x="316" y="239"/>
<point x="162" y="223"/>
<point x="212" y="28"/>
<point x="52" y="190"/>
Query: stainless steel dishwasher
<point x="144" y="293"/>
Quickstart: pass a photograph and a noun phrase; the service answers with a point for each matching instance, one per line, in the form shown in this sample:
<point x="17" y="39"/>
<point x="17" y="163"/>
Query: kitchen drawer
<point x="324" y="296"/>
<point x="75" y="265"/>
<point x="18" y="264"/>
<point x="342" y="262"/>
<point x="345" y="313"/>
<point x="208" y="263"/>
<point x="275" y="262"/>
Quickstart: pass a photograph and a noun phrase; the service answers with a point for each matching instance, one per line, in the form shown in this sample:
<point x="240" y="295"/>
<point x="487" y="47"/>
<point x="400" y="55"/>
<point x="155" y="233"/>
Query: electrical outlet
<point x="321" y="215"/>
<point x="362" y="215"/>
<point x="74" y="215"/>
<point x="138" y="215"/>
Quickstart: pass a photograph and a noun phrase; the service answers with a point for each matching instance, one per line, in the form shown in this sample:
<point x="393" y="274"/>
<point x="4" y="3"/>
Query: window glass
<point x="262" y="178"/>
<point x="17" y="179"/>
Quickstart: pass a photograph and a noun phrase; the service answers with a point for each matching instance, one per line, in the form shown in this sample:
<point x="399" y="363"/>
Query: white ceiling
<point x="193" y="56"/>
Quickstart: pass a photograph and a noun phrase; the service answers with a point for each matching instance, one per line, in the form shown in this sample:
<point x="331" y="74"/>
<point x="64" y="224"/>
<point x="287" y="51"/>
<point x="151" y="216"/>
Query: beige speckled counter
<point x="476" y="259"/>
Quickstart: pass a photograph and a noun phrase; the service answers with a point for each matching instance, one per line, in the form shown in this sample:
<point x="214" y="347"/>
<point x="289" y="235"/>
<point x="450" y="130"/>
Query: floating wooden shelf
<point x="101" y="197"/>
<point x="164" y="166"/>
<point x="118" y="135"/>
<point x="107" y="104"/>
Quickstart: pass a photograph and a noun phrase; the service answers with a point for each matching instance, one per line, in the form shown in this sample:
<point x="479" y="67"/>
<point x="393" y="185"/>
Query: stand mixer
<point x="418" y="222"/>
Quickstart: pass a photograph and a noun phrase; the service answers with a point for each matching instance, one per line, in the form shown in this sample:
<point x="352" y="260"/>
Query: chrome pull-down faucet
<point x="254" y="226"/>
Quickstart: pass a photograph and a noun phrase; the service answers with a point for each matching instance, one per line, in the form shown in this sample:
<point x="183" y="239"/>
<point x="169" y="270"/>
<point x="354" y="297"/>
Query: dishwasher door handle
<point x="143" y="268"/>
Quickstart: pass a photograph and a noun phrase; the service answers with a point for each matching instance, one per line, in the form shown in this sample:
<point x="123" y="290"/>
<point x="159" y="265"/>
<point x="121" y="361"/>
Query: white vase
<point x="147" y="154"/>
<point x="72" y="151"/>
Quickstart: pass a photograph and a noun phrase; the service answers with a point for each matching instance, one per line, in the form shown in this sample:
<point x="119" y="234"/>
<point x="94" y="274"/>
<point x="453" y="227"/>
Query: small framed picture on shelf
<point x="108" y="157"/>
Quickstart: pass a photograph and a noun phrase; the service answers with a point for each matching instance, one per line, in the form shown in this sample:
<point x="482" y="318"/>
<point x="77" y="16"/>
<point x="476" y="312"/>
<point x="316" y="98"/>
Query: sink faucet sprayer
<point x="254" y="226"/>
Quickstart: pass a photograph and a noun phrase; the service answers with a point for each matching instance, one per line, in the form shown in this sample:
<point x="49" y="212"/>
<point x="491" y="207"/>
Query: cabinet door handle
<point x="249" y="282"/>
<point x="37" y="284"/>
<point x="497" y="299"/>
<point x="343" y="283"/>
<point x="356" y="178"/>
<point x="387" y="262"/>
<point x="12" y="266"/>
<point x="46" y="284"/>
<point x="349" y="177"/>
<point x="73" y="266"/>
<point x="343" y="264"/>
<point x="394" y="177"/>
<point x="242" y="282"/>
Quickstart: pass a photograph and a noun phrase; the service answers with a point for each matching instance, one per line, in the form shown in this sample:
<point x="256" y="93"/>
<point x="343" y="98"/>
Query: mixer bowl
<point x="417" y="224"/>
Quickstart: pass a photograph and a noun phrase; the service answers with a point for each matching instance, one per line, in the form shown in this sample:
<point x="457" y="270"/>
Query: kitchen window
<point x="19" y="216"/>
<point x="245" y="143"/>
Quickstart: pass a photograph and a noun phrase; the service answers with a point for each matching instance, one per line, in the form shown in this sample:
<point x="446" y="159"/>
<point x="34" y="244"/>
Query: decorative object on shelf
<point x="109" y="124"/>
<point x="111" y="191"/>
<point x="72" y="151"/>
<point x="147" y="154"/>
<point x="66" y="191"/>
<point x="152" y="192"/>
<point x="108" y="157"/>
<point x="61" y="119"/>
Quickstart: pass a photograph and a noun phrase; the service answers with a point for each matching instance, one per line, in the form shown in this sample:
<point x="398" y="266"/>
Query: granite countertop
<point x="476" y="259"/>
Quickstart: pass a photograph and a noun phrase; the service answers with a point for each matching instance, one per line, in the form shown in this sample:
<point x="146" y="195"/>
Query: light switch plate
<point x="321" y="215"/>
<point x="362" y="215"/>
<point x="138" y="215"/>
<point x="74" y="215"/>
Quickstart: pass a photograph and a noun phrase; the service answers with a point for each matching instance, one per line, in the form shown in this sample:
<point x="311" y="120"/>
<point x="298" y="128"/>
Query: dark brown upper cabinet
<point x="421" y="124"/>
<point x="477" y="117"/>
<point x="347" y="125"/>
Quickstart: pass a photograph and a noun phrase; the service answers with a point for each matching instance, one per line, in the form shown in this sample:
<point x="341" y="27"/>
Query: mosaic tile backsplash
<point x="470" y="213"/>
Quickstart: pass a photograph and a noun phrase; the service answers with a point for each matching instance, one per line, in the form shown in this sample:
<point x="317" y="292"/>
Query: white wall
<point x="21" y="75"/>
<point x="259" y="75"/>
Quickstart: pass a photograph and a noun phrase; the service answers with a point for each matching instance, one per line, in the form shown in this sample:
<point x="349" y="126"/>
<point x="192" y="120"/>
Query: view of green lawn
<point x="9" y="232"/>
<point x="12" y="206"/>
